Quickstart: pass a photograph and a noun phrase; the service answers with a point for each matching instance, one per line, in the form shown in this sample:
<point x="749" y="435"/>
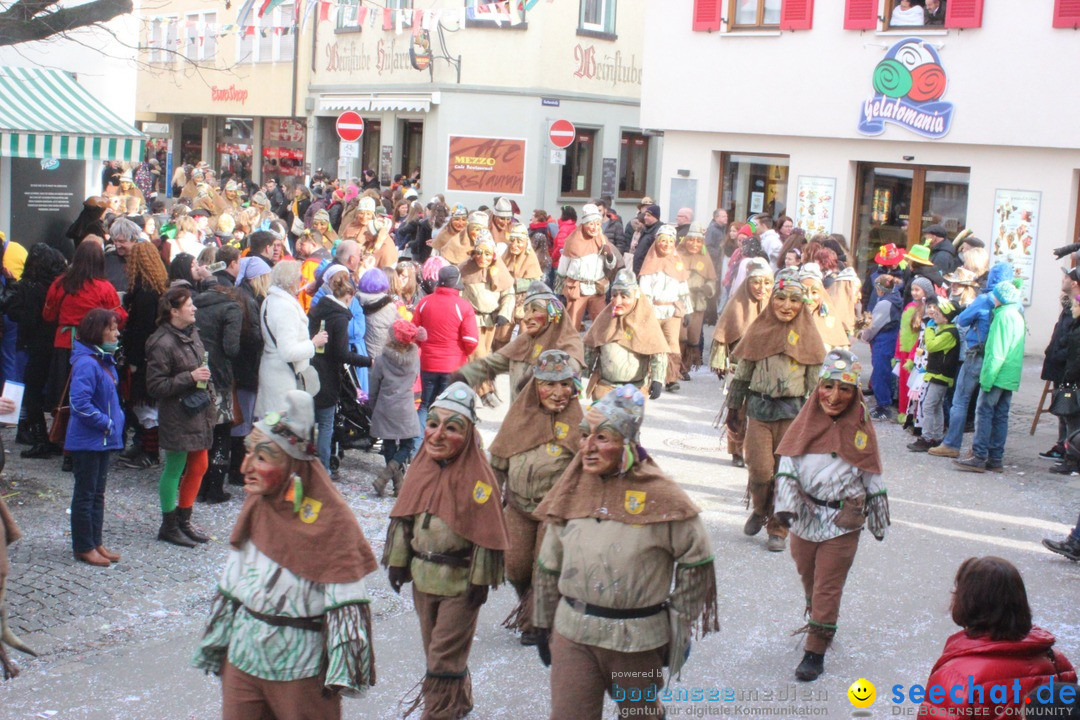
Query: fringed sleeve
<point x="877" y="506"/>
<point x="350" y="655"/>
<point x="214" y="646"/>
<point x="545" y="585"/>
<point x="486" y="567"/>
<point x="692" y="610"/>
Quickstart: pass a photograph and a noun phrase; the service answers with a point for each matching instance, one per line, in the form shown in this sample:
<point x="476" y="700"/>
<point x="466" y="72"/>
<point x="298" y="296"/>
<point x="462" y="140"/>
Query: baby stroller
<point x="352" y="423"/>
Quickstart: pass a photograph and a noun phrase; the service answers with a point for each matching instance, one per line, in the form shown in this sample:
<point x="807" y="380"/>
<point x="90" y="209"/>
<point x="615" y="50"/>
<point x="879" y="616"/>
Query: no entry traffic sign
<point x="562" y="133"/>
<point x="350" y="126"/>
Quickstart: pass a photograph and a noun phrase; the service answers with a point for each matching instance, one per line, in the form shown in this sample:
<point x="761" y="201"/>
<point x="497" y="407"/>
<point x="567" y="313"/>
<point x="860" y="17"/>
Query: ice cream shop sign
<point x="909" y="83"/>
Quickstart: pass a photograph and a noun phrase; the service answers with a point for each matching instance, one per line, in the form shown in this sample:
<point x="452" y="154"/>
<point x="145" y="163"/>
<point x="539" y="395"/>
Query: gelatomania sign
<point x="908" y="85"/>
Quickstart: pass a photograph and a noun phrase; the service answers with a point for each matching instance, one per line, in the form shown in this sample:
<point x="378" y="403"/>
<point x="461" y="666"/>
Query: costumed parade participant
<point x="489" y="288"/>
<point x="447" y="536"/>
<point x="520" y="259"/>
<point x="625" y="344"/>
<point x="586" y="262"/>
<point x="454" y="243"/>
<point x="828" y="486"/>
<point x="702" y="285"/>
<point x="615" y="515"/>
<point x="543" y="327"/>
<point x="322" y="231"/>
<point x="290" y="628"/>
<point x="748" y="301"/>
<point x="778" y="363"/>
<point x="663" y="279"/>
<point x="535" y="444"/>
<point x="499" y="225"/>
<point x="829" y="326"/>
<point x="373" y="235"/>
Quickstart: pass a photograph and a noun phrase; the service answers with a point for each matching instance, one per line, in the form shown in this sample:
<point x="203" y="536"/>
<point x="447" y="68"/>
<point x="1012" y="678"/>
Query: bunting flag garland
<point x="268" y="5"/>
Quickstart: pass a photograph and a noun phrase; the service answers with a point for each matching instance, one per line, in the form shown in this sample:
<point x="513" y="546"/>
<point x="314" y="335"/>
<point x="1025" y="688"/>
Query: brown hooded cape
<point x="638" y="331"/>
<point x="578" y="246"/>
<point x="697" y="263"/>
<point x="768" y="336"/>
<point x="523" y="266"/>
<point x="528" y="425"/>
<point x="556" y="336"/>
<point x="850" y="435"/>
<point x="740" y="311"/>
<point x="673" y="265"/>
<point x="498" y="277"/>
<point x="455" y="247"/>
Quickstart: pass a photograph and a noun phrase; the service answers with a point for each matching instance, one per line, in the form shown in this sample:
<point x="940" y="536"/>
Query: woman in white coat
<point x="287" y="348"/>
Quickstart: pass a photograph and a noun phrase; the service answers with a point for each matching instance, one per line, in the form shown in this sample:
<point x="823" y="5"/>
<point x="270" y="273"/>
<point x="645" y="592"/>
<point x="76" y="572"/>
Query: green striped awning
<point x="46" y="114"/>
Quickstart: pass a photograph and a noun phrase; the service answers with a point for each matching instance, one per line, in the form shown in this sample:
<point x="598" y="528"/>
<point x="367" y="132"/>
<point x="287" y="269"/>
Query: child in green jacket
<point x="942" y="342"/>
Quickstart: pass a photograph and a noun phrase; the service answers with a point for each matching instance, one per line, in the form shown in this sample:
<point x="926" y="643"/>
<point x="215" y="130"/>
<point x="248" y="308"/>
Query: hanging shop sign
<point x="1016" y="231"/>
<point x="909" y="83"/>
<point x="420" y="50"/>
<point x="486" y="165"/>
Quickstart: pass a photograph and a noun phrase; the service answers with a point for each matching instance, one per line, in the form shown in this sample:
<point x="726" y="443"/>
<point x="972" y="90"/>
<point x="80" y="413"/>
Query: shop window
<point x="283" y="149"/>
<point x="754" y="184"/>
<point x="370" y="145"/>
<point x="894" y="203"/>
<point x="233" y="147"/>
<point x="633" y="164"/>
<point x="412" y="146"/>
<point x="578" y="170"/>
<point x="504" y="15"/>
<point x="754" y="14"/>
<point x="597" y="19"/>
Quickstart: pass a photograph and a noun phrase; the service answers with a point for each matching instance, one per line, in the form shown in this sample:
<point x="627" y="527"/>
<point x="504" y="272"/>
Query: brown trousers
<point x="689" y="338"/>
<point x="447" y="626"/>
<point x="483" y="349"/>
<point x="736" y="430"/>
<point x="762" y="439"/>
<point x="581" y="674"/>
<point x="246" y="697"/>
<point x="576" y="309"/>
<point x="671" y="327"/>
<point x="526" y="533"/>
<point x="823" y="567"/>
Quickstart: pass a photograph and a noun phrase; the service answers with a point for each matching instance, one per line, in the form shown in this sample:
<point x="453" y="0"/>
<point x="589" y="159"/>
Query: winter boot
<point x="397" y="474"/>
<point x="812" y="665"/>
<point x="40" y="448"/>
<point x="183" y="521"/>
<point x="212" y="489"/>
<point x="24" y="435"/>
<point x="380" y="481"/>
<point x="170" y="530"/>
<point x="133" y="450"/>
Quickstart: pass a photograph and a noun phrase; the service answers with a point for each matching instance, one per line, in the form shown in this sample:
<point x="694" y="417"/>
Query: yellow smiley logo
<point x="862" y="693"/>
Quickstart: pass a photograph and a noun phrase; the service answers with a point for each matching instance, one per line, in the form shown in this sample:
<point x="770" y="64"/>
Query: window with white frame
<point x="597" y="16"/>
<point x="161" y="39"/>
<point x="272" y="38"/>
<point x="348" y="16"/>
<point x="507" y="15"/>
<point x="200" y="36"/>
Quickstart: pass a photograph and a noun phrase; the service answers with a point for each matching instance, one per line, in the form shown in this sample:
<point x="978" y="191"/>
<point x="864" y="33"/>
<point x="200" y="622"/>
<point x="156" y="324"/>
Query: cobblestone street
<point x="115" y="643"/>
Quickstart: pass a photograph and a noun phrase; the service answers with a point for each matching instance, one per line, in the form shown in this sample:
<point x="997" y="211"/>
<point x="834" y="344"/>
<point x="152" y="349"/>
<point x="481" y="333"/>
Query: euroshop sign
<point x="909" y="83"/>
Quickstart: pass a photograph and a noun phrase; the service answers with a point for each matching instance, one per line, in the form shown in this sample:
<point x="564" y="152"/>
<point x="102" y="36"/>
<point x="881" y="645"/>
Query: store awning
<point x="380" y="102"/>
<point x="46" y="114"/>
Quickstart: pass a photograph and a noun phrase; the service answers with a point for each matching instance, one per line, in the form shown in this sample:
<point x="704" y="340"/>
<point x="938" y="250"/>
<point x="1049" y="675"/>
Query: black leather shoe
<point x="67" y="464"/>
<point x="812" y="665"/>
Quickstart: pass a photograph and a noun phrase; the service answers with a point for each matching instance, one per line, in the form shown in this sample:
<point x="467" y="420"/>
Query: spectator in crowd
<point x="942" y="253"/>
<point x="380" y="310"/>
<point x="906" y="13"/>
<point x="566" y="225"/>
<point x="1070" y="378"/>
<point x="650" y="223"/>
<point x="176" y="376"/>
<point x="998" y="379"/>
<point x="997" y="645"/>
<point x="95" y="428"/>
<point x="612" y="225"/>
<point x="934" y="12"/>
<point x="252" y="284"/>
<point x="123" y="234"/>
<point x="1054" y="361"/>
<point x="683" y="218"/>
<point x="942" y="342"/>
<point x="881" y="334"/>
<point x="393" y="402"/>
<point x="1069" y="547"/>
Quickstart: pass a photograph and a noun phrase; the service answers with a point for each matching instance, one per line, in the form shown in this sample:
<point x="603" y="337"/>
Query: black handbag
<point x="1065" y="401"/>
<point x="195" y="401"/>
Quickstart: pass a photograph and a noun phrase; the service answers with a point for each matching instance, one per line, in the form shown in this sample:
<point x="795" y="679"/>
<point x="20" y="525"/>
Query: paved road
<point x="115" y="643"/>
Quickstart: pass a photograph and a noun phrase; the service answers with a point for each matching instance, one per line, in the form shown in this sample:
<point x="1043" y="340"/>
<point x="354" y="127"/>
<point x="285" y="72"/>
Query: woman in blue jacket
<point x="96" y="427"/>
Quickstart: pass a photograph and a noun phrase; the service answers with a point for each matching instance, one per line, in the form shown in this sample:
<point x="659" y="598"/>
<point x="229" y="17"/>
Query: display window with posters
<point x="283" y="149"/>
<point x="234" y="148"/>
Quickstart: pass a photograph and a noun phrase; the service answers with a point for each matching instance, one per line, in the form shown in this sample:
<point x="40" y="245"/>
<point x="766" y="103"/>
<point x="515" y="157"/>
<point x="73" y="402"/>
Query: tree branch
<point x="23" y="21"/>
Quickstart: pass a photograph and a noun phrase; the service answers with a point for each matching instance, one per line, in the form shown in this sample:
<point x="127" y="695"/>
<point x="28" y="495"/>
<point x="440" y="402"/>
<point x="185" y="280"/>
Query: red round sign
<point x="562" y="133"/>
<point x="350" y="126"/>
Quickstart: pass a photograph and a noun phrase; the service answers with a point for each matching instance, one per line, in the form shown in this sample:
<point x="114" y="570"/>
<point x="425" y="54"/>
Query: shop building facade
<point x="875" y="130"/>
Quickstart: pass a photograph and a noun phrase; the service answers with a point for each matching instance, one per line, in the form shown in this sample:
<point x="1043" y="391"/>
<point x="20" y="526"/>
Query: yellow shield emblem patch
<point x="860" y="440"/>
<point x="481" y="492"/>
<point x="553" y="450"/>
<point x="635" y="502"/>
<point x="309" y="510"/>
<point x="679" y="266"/>
<point x="628" y="333"/>
<point x="561" y="430"/>
<point x="699" y="266"/>
<point x="792" y="337"/>
<point x="537" y="349"/>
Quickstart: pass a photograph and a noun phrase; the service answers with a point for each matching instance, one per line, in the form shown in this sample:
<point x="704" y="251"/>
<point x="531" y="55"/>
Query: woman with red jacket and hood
<point x="998" y="646"/>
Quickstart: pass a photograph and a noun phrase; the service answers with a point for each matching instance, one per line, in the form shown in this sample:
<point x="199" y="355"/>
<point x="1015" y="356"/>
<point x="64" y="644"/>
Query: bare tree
<point x="29" y="20"/>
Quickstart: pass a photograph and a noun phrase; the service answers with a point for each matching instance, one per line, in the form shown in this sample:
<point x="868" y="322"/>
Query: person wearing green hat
<point x="1003" y="361"/>
<point x="942" y="341"/>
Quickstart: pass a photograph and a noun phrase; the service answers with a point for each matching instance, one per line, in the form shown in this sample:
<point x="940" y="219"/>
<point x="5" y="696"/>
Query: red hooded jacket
<point x="1031" y="662"/>
<point x="452" y="336"/>
<point x="67" y="311"/>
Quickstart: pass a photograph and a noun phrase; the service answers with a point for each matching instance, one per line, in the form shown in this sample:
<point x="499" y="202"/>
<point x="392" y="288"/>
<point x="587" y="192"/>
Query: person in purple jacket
<point x="95" y="428"/>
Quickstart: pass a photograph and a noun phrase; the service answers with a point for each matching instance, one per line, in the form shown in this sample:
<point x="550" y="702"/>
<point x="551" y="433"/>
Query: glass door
<point x="412" y="146"/>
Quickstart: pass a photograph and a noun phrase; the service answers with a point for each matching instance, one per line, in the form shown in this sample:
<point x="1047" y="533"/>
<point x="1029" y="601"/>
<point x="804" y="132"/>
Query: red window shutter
<point x="1067" y="14"/>
<point x="861" y="15"/>
<point x="706" y="15"/>
<point x="964" y="14"/>
<point x="796" y="14"/>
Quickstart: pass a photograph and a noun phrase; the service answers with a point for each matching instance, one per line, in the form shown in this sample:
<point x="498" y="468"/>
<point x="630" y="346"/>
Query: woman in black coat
<point x="1071" y="377"/>
<point x="252" y="282"/>
<point x="219" y="316"/>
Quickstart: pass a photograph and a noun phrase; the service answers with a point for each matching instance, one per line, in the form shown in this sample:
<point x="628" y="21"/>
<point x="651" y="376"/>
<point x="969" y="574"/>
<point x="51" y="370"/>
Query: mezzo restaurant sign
<point x="909" y="83"/>
<point x="494" y="166"/>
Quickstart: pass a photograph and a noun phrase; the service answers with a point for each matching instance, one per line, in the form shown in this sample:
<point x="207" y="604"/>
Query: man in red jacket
<point x="452" y="336"/>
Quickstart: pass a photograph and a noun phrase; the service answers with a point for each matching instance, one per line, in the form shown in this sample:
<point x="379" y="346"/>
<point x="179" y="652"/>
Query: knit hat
<point x="757" y="267"/>
<point x="478" y="217"/>
<point x="625" y="281"/>
<point x="250" y="268"/>
<point x="484" y="239"/>
<point x="918" y="254"/>
<point x="431" y="267"/>
<point x="668" y="230"/>
<point x="373" y="282"/>
<point x="450" y="277"/>
<point x="695" y="230"/>
<point x="811" y="270"/>
<point x="923" y="284"/>
<point x="538" y="291"/>
<point x="842" y="365"/>
<point x="126" y="177"/>
<point x="746" y="230"/>
<point x="1006" y="292"/>
<point x="503" y="208"/>
<point x="654" y="210"/>
<point x="292" y="428"/>
<point x="459" y="398"/>
<point x="321" y="216"/>
<point x="624" y="410"/>
<point x="888" y="255"/>
<point x="589" y="213"/>
<point x="366" y="204"/>
<point x="519" y="231"/>
<point x="554" y="365"/>
<point x="459" y="211"/>
<point x="406" y="333"/>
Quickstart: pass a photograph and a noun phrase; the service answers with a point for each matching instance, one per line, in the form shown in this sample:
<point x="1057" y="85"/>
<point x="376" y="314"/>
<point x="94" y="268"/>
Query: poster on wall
<point x="1016" y="232"/>
<point x="814" y="204"/>
<point x="493" y="166"/>
<point x="46" y="197"/>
